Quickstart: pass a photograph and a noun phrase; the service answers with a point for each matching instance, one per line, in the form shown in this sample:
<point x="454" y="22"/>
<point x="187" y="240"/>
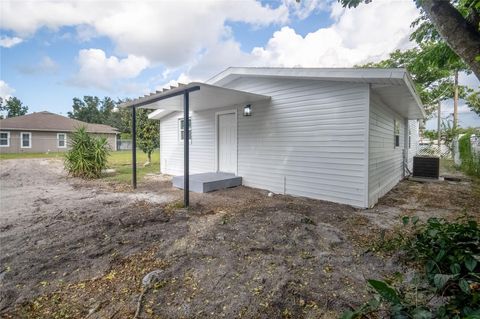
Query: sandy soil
<point x="70" y="247"/>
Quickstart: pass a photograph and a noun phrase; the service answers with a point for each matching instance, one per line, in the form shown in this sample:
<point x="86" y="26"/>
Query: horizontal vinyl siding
<point x="43" y="141"/>
<point x="385" y="160"/>
<point x="202" y="147"/>
<point x="309" y="140"/>
<point x="415" y="137"/>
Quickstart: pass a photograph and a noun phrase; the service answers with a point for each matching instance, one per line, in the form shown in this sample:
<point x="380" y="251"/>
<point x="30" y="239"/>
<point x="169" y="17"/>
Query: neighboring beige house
<point x="46" y="132"/>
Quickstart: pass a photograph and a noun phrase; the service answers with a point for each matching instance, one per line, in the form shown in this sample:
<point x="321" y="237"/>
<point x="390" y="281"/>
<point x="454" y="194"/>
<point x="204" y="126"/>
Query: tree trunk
<point x="439" y="124"/>
<point x="149" y="154"/>
<point x="455" y="101"/>
<point x="462" y="36"/>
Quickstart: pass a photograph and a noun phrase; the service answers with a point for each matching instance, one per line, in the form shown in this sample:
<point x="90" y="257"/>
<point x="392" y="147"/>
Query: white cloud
<point x="5" y="90"/>
<point x="45" y="66"/>
<point x="98" y="70"/>
<point x="169" y="32"/>
<point x="8" y="42"/>
<point x="218" y="57"/>
<point x="303" y="9"/>
<point x="368" y="32"/>
<point x="355" y="37"/>
<point x="191" y="37"/>
<point x="447" y="107"/>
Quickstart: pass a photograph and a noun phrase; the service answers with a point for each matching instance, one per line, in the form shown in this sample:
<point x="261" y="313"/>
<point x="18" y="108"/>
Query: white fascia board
<point x="158" y="114"/>
<point x="337" y="74"/>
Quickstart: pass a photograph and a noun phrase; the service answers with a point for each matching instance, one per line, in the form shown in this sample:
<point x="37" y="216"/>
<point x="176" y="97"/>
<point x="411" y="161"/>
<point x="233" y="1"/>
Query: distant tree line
<point x="92" y="109"/>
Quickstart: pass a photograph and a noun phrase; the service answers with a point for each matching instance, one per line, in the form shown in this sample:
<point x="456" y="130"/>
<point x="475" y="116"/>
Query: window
<point x="4" y="139"/>
<point x="396" y="133"/>
<point x="25" y="140"/>
<point x="181" y="129"/>
<point x="409" y="138"/>
<point x="61" y="140"/>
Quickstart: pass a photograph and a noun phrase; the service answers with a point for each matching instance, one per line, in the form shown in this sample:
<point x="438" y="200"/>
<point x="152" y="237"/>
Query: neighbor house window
<point x="61" y="140"/>
<point x="181" y="129"/>
<point x="25" y="140"/>
<point x="396" y="128"/>
<point x="4" y="139"/>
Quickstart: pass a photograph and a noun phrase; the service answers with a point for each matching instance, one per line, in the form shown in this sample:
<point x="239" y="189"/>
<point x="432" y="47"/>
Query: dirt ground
<point x="78" y="249"/>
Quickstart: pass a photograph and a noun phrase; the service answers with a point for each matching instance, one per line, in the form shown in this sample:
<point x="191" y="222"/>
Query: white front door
<point x="227" y="143"/>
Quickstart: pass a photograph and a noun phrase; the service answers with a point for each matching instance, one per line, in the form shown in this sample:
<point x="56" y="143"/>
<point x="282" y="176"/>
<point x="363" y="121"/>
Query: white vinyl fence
<point x="123" y="145"/>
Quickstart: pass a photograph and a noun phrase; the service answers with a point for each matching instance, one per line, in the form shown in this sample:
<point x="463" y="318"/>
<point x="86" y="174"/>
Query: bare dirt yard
<point x="79" y="249"/>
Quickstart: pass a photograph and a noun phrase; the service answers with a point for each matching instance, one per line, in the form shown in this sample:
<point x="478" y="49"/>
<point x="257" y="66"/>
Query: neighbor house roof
<point x="46" y="121"/>
<point x="394" y="86"/>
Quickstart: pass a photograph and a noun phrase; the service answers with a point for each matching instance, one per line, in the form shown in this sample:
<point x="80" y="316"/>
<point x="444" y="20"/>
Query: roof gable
<point x="46" y="121"/>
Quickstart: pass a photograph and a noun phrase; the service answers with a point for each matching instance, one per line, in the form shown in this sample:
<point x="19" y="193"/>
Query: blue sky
<point x="60" y="50"/>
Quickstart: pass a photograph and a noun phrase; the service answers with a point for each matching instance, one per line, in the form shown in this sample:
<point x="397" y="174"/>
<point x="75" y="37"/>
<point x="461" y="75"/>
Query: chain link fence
<point x="434" y="150"/>
<point x="475" y="142"/>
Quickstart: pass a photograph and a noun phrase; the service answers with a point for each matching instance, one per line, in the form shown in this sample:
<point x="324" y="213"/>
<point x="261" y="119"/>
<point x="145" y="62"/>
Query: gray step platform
<point x="208" y="182"/>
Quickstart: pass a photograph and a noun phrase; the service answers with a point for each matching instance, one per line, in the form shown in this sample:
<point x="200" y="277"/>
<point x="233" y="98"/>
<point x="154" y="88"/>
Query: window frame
<point x="64" y="140"/>
<point x="396" y="133"/>
<point x="180" y="129"/>
<point x="8" y="138"/>
<point x="29" y="139"/>
<point x="409" y="138"/>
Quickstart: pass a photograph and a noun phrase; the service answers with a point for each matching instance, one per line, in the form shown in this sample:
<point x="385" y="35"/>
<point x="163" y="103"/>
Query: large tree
<point x="457" y="22"/>
<point x="88" y="110"/>
<point x="13" y="107"/>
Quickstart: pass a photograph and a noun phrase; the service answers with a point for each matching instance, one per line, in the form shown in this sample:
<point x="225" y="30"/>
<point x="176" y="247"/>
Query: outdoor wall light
<point x="247" y="110"/>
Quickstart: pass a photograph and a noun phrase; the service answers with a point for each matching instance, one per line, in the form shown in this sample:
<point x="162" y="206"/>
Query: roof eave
<point x="413" y="91"/>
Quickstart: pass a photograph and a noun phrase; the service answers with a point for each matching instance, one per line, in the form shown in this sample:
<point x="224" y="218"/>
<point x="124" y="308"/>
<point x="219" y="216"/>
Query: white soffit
<point x="207" y="97"/>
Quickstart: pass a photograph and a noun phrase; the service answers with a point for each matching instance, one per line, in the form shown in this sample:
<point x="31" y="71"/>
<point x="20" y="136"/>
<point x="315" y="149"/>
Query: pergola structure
<point x="179" y="99"/>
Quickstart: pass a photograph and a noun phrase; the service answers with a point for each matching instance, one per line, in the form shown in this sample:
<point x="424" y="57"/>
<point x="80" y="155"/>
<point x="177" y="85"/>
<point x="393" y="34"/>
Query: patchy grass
<point x="4" y="156"/>
<point x="121" y="161"/>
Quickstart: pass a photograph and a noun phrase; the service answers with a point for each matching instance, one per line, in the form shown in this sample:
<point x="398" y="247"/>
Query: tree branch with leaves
<point x="456" y="22"/>
<point x="13" y="107"/>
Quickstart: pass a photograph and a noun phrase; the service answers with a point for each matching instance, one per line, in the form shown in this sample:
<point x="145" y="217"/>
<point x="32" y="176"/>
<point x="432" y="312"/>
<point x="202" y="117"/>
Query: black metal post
<point x="134" y="147"/>
<point x="186" y="145"/>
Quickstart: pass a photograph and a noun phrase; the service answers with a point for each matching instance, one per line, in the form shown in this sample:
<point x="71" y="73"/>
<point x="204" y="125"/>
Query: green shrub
<point x="449" y="253"/>
<point x="87" y="156"/>
<point x="470" y="160"/>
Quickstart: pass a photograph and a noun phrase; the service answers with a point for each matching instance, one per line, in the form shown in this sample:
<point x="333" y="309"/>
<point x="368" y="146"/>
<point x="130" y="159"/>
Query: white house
<point x="341" y="135"/>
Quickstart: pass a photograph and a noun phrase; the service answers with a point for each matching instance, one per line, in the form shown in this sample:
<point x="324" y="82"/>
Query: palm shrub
<point x="87" y="156"/>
